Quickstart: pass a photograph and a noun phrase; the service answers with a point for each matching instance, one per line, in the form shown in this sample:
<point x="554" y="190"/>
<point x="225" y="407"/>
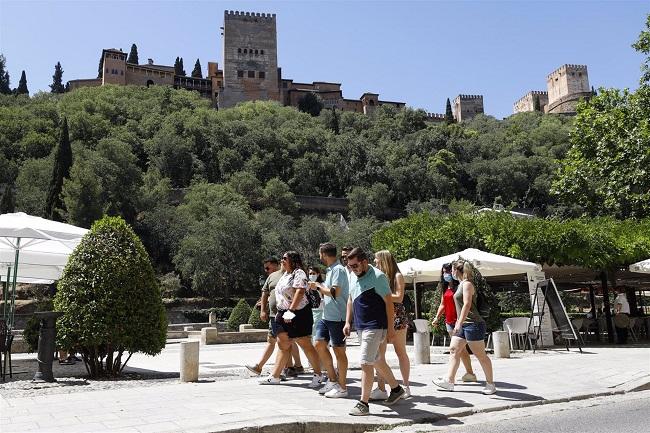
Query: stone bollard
<point x="209" y="336"/>
<point x="501" y="344"/>
<point x="189" y="361"/>
<point x="422" y="342"/>
<point x="212" y="318"/>
<point x="245" y="327"/>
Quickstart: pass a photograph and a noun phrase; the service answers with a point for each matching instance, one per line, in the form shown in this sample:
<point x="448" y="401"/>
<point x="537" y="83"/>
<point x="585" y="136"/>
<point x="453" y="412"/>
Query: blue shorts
<point x="273" y="327"/>
<point x="330" y="331"/>
<point x="473" y="331"/>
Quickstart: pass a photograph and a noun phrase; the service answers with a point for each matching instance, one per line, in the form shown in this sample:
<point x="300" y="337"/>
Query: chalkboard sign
<point x="556" y="307"/>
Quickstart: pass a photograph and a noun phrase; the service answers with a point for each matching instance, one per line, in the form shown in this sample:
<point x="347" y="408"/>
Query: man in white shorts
<point x="370" y="301"/>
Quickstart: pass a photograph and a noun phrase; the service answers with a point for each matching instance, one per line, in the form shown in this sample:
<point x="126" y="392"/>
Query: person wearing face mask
<point x="447" y="307"/>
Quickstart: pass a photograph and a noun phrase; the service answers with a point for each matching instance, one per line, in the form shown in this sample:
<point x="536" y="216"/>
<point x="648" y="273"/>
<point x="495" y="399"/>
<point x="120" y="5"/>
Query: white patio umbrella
<point x="641" y="267"/>
<point x="33" y="250"/>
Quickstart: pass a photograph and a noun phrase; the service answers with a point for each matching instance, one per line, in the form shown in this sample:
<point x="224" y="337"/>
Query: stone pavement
<point x="240" y="404"/>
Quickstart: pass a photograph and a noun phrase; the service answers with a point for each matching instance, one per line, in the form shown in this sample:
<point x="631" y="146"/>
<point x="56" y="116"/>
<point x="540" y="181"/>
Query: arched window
<point x="255" y="52"/>
<point x="245" y="51"/>
<point x="262" y="52"/>
<point x="239" y="50"/>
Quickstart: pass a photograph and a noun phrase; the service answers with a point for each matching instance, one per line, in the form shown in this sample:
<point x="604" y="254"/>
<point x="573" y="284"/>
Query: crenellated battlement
<point x="435" y="116"/>
<point x="241" y="15"/>
<point x="565" y="68"/>
<point x="531" y="93"/>
<point x="468" y="97"/>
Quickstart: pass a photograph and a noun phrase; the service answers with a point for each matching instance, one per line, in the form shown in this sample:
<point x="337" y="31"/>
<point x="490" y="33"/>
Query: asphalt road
<point x="612" y="414"/>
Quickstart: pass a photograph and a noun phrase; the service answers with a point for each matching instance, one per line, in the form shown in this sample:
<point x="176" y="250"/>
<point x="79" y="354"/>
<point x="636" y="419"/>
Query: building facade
<point x="250" y="72"/>
<point x="535" y="100"/>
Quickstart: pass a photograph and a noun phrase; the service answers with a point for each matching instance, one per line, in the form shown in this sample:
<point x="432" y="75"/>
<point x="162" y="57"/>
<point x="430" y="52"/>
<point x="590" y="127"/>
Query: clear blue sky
<point x="420" y="52"/>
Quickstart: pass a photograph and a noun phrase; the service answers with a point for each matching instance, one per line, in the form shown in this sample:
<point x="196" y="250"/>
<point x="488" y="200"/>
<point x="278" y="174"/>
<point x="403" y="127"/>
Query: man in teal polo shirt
<point x="329" y="330"/>
<point x="371" y="303"/>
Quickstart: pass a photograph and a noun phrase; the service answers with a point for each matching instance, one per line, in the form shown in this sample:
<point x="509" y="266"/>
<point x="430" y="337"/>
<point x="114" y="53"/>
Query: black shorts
<point x="300" y="326"/>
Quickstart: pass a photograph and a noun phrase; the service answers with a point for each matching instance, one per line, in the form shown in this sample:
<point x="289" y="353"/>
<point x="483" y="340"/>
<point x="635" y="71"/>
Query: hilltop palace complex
<point x="250" y="72"/>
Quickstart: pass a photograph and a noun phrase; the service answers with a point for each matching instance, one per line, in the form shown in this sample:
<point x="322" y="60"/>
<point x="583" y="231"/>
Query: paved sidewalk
<point x="215" y="405"/>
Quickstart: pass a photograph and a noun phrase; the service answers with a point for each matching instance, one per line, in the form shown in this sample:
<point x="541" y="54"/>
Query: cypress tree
<point x="133" y="55"/>
<point x="196" y="73"/>
<point x="449" y="115"/>
<point x="8" y="203"/>
<point x="57" y="79"/>
<point x="181" y="67"/>
<point x="62" y="163"/>
<point x="4" y="77"/>
<point x="22" y="85"/>
<point x="177" y="66"/>
<point x="100" y="68"/>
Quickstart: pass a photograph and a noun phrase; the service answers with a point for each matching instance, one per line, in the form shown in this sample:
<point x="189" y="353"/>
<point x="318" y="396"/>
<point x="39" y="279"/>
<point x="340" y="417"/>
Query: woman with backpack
<point x="469" y="330"/>
<point x="449" y="286"/>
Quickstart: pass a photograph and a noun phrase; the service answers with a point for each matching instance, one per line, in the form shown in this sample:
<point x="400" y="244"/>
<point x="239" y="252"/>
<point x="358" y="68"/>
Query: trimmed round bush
<point x="110" y="299"/>
<point x="254" y="319"/>
<point x="239" y="315"/>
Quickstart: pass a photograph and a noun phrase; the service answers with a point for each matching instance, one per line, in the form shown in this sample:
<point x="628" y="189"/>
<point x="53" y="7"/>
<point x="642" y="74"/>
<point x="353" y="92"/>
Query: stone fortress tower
<point x="466" y="107"/>
<point x="250" y="58"/>
<point x="565" y="86"/>
<point x="535" y="100"/>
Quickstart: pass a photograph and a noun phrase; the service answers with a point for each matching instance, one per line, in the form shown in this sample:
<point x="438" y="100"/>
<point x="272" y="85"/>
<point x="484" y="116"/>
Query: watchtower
<point x="466" y="107"/>
<point x="114" y="67"/>
<point x="566" y="85"/>
<point x="250" y="58"/>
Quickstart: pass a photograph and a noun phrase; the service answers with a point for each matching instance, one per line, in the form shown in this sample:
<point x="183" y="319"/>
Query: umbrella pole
<point x="12" y="311"/>
<point x="5" y="295"/>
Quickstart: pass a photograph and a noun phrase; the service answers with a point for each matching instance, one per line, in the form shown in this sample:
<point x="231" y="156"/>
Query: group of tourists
<point x="307" y="311"/>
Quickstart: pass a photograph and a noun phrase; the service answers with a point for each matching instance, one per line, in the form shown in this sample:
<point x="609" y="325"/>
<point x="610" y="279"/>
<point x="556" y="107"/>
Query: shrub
<point x="110" y="299"/>
<point x="170" y="285"/>
<point x="255" y="320"/>
<point x="203" y="315"/>
<point x="33" y="326"/>
<point x="239" y="315"/>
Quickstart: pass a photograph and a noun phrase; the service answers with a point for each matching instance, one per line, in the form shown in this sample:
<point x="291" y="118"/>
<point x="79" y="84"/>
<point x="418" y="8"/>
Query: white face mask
<point x="313" y="277"/>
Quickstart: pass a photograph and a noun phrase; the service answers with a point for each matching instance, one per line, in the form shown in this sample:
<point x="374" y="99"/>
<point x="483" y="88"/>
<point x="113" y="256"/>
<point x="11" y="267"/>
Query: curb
<point x="641" y="384"/>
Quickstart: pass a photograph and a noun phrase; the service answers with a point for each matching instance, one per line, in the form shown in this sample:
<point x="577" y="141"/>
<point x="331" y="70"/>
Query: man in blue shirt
<point x="371" y="302"/>
<point x="329" y="329"/>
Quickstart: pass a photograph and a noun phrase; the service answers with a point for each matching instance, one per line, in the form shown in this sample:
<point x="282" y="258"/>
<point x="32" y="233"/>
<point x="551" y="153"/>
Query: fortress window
<point x="251" y="74"/>
<point x="239" y="50"/>
<point x="240" y="74"/>
<point x="245" y="51"/>
<point x="262" y="52"/>
<point x="121" y="72"/>
<point x="262" y="74"/>
<point x="255" y="52"/>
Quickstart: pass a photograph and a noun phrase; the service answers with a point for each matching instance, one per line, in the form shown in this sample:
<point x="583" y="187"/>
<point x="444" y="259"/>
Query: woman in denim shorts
<point x="448" y="286"/>
<point x="469" y="330"/>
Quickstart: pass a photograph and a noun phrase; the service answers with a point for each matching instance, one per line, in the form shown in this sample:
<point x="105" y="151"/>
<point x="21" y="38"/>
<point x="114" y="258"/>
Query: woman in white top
<point x="294" y="319"/>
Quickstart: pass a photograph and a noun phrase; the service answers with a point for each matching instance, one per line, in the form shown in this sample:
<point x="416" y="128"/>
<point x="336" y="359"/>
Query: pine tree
<point x="54" y="205"/>
<point x="22" y="85"/>
<point x="133" y="55"/>
<point x="4" y="77"/>
<point x="196" y="73"/>
<point x="57" y="79"/>
<point x="449" y="115"/>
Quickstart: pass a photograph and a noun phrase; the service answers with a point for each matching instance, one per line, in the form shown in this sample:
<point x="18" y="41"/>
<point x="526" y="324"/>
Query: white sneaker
<point x="269" y="380"/>
<point x="468" y="377"/>
<point x="443" y="384"/>
<point x="337" y="392"/>
<point x="378" y="394"/>
<point x="316" y="381"/>
<point x="489" y="389"/>
<point x="327" y="387"/>
<point x="407" y="391"/>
